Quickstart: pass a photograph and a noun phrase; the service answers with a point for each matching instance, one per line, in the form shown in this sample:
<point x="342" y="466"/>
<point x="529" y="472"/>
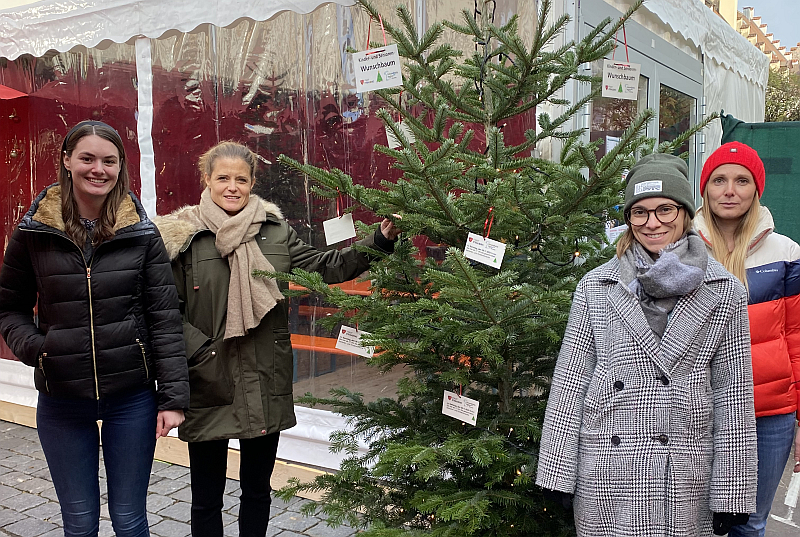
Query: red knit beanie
<point x="735" y="153"/>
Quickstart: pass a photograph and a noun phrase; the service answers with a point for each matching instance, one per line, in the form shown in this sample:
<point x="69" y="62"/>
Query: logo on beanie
<point x="647" y="186"/>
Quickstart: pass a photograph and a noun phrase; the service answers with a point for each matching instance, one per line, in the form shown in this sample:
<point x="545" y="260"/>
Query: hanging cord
<point x="625" y="37"/>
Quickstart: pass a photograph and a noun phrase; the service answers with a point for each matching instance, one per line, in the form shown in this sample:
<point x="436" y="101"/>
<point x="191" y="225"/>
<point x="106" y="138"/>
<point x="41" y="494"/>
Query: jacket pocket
<point x="210" y="382"/>
<point x="282" y="363"/>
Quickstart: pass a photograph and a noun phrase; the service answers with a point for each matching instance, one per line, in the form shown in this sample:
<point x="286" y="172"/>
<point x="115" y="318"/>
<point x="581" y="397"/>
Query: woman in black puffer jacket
<point x="109" y="342"/>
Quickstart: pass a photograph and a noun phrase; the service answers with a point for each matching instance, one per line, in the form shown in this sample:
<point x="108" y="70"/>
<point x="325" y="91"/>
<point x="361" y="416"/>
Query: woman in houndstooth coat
<point x="650" y="420"/>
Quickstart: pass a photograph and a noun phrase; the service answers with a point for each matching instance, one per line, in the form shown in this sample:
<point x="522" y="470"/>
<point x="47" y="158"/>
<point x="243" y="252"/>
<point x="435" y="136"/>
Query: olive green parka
<point x="242" y="387"/>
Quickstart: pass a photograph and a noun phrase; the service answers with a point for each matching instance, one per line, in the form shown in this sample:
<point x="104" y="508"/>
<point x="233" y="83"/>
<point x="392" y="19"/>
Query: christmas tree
<point x="458" y="325"/>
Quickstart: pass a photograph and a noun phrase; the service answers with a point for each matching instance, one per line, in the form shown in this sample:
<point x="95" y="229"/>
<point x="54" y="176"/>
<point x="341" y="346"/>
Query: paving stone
<point x="106" y="529"/>
<point x="275" y="511"/>
<point x="49" y="493"/>
<point x="232" y="530"/>
<point x="5" y="453"/>
<point x="5" y="470"/>
<point x="44" y="473"/>
<point x="158" y="466"/>
<point x="57" y="521"/>
<point x="173" y="471"/>
<point x="7" y="492"/>
<point x="228" y="502"/>
<point x="29" y="448"/>
<point x="272" y="531"/>
<point x="27" y="432"/>
<point x="29" y="527"/>
<point x="157" y="502"/>
<point x="58" y="532"/>
<point x="153" y="519"/>
<point x="277" y="502"/>
<point x="11" y="442"/>
<point x="323" y="530"/>
<point x="104" y="513"/>
<point x="23" y="501"/>
<point x="171" y="528"/>
<point x="34" y="485"/>
<point x="289" y="534"/>
<point x="13" y="478"/>
<point x="16" y="460"/>
<point x="232" y="487"/>
<point x="294" y="521"/>
<point x="229" y="519"/>
<point x="234" y="510"/>
<point x="103" y="486"/>
<point x="45" y="511"/>
<point x="154" y="479"/>
<point x="9" y="516"/>
<point x="183" y="495"/>
<point x="180" y="511"/>
<point x="166" y="487"/>
<point x="101" y="472"/>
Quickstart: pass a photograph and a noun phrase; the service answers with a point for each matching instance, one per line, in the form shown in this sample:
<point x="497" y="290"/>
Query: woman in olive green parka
<point x="236" y="330"/>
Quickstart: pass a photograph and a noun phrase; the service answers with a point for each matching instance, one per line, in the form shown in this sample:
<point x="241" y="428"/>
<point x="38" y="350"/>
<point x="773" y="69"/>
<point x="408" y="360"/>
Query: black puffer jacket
<point x="106" y="326"/>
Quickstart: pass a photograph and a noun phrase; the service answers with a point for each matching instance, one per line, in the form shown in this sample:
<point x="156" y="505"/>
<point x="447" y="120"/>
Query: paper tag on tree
<point x="621" y="80"/>
<point x="350" y="340"/>
<point x="391" y="140"/>
<point x="378" y="68"/>
<point x="460" y="407"/>
<point x="484" y="250"/>
<point x="339" y="229"/>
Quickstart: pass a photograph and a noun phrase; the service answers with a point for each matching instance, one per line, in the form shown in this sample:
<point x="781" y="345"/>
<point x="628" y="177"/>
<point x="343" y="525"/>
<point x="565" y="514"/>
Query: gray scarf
<point x="679" y="270"/>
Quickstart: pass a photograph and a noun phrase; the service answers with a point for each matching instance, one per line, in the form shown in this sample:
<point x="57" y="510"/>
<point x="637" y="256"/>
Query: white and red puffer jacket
<point x="773" y="279"/>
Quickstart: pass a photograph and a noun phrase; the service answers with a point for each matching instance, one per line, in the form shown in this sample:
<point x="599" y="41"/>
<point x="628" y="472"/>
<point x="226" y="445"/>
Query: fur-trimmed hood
<point x="179" y="227"/>
<point x="46" y="211"/>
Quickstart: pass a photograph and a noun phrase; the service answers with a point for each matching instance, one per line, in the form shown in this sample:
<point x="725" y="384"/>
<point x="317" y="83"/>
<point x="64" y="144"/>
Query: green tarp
<point x="778" y="145"/>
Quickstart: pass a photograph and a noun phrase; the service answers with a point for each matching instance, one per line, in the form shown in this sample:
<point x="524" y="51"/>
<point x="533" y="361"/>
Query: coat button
<point x="664" y="380"/>
<point x="664" y="439"/>
<point x="263" y="431"/>
<point x="615" y="440"/>
<point x="213" y="353"/>
<point x="619" y="385"/>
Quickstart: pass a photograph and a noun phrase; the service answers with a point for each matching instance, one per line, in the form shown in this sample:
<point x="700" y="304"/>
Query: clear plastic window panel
<point x="282" y="86"/>
<point x="61" y="90"/>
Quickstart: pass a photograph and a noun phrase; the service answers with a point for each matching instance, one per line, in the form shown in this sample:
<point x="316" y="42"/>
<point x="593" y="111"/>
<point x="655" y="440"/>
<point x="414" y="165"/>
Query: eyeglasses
<point x="667" y="213"/>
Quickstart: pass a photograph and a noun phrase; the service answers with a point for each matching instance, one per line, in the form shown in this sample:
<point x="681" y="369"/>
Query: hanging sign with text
<point x="621" y="80"/>
<point x="378" y="68"/>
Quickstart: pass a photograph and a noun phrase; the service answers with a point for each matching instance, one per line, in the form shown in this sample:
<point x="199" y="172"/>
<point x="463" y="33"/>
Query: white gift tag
<point x="339" y="229"/>
<point x="460" y="407"/>
<point x="484" y="250"/>
<point x="391" y="140"/>
<point x="377" y="68"/>
<point x="350" y="340"/>
<point x="621" y="80"/>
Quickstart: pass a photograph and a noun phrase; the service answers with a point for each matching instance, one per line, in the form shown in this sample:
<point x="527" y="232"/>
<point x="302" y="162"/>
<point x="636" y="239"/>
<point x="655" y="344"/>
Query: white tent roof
<point x="713" y="36"/>
<point x="62" y="24"/>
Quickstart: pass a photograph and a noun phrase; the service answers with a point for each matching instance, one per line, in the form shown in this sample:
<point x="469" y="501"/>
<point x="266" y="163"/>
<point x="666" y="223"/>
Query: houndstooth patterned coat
<point x="652" y="436"/>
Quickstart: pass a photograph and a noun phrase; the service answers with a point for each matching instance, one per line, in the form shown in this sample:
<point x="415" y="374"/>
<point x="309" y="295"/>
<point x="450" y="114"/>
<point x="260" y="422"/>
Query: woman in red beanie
<point x="739" y="233"/>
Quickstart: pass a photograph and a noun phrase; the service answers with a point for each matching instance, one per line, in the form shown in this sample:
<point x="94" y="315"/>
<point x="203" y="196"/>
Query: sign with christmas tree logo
<point x="621" y="80"/>
<point x="378" y="68"/>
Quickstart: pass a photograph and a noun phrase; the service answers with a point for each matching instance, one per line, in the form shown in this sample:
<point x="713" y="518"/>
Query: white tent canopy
<point x="62" y="24"/>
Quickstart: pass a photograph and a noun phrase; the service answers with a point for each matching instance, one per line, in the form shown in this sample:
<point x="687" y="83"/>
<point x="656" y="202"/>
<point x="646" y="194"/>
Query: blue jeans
<point x="775" y="439"/>
<point x="71" y="443"/>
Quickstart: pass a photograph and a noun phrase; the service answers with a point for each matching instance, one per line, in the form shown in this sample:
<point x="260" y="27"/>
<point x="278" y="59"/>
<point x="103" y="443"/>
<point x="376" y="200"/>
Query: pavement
<point x="29" y="506"/>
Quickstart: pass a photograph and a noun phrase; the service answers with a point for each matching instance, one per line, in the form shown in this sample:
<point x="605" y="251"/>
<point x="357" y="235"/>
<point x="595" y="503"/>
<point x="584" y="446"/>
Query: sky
<point x="782" y="18"/>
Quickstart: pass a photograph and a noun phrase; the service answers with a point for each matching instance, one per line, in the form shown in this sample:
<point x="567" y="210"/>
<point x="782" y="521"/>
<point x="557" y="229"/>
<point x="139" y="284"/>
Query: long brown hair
<point x="733" y="261"/>
<point x="627" y="239"/>
<point x="104" y="230"/>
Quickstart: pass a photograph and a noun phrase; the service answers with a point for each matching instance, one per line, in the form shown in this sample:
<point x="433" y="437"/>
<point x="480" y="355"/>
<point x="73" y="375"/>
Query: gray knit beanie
<point x="660" y="175"/>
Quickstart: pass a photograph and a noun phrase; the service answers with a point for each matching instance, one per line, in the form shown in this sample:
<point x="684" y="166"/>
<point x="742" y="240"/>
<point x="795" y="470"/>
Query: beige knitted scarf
<point x="249" y="298"/>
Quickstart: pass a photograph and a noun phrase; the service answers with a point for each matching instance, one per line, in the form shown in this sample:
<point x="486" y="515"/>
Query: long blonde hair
<point x="733" y="261"/>
<point x="627" y="239"/>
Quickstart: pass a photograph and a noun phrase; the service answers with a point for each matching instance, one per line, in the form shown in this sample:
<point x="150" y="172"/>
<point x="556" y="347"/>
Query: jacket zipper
<point x="91" y="328"/>
<point x="91" y="310"/>
<point x="144" y="358"/>
<point x="41" y="367"/>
